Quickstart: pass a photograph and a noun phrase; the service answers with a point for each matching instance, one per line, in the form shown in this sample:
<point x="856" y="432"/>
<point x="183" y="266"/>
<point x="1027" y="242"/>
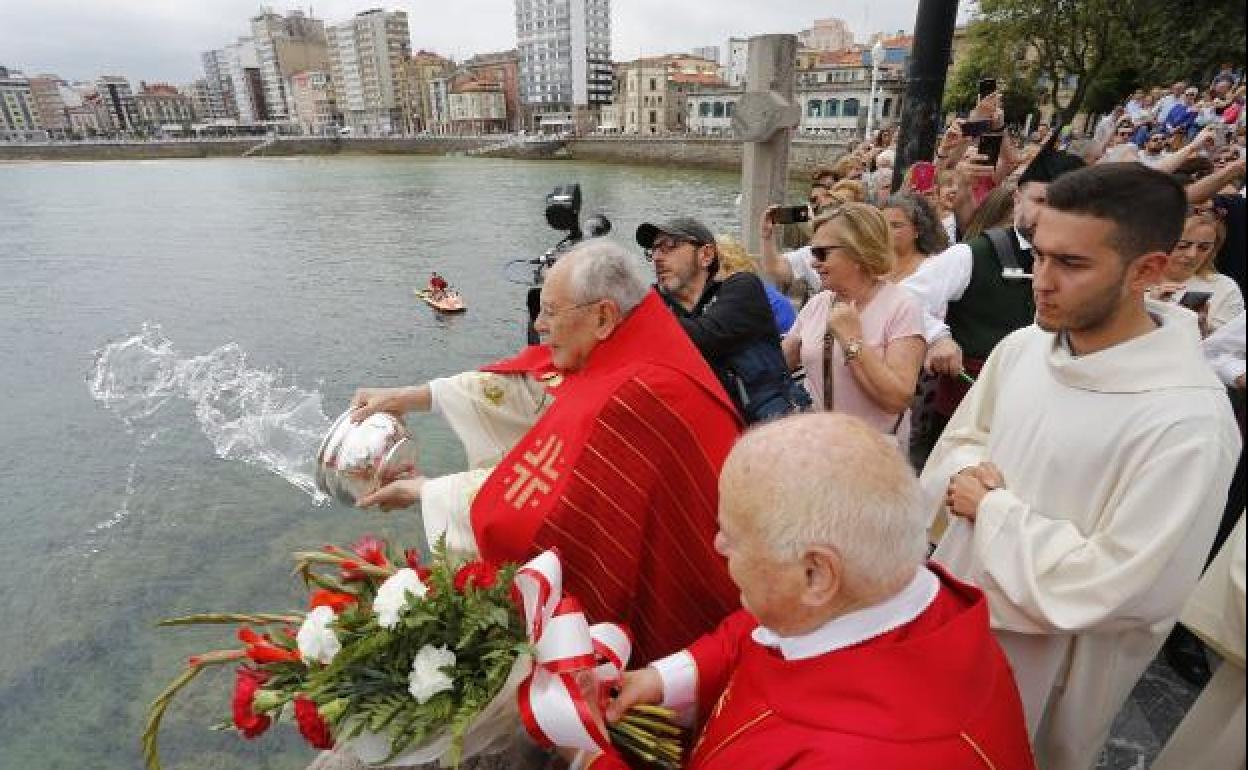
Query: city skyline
<point x="163" y="42"/>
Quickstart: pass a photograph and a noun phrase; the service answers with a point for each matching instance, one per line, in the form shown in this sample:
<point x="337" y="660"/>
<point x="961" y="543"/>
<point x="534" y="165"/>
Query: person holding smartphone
<point x="1191" y="279"/>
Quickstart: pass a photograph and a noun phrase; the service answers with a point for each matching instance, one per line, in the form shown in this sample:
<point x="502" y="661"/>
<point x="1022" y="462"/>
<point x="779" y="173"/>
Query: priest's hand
<point x="964" y="494"/>
<point x="944" y="357"/>
<point x="396" y="401"/>
<point x="990" y="475"/>
<point x="397" y="494"/>
<point x="641" y="687"/>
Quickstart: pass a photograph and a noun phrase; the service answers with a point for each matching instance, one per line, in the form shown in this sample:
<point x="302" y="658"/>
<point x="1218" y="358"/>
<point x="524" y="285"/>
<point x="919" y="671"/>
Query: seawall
<point x="675" y="152"/>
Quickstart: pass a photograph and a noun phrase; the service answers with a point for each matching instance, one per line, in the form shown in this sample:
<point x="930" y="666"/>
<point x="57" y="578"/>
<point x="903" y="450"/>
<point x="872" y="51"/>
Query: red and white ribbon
<point x="552" y="706"/>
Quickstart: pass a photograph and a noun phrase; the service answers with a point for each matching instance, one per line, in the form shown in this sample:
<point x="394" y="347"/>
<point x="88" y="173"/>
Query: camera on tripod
<point x="563" y="212"/>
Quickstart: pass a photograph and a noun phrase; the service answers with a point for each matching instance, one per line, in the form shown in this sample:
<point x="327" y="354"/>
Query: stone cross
<point x="764" y="119"/>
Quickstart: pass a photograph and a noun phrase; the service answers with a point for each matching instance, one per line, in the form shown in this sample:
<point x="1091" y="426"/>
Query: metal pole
<point x="925" y="86"/>
<point x="875" y="74"/>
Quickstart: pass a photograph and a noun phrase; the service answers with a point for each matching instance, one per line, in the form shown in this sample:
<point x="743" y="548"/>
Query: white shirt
<point x="1224" y="350"/>
<point x="803" y="266"/>
<point x="943" y="279"/>
<point x="679" y="672"/>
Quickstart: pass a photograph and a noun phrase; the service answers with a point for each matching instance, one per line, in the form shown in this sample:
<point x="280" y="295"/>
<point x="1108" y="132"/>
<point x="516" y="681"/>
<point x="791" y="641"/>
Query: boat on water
<point x="449" y="301"/>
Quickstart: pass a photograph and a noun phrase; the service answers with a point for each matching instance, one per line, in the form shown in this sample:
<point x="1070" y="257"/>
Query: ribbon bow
<point x="552" y="706"/>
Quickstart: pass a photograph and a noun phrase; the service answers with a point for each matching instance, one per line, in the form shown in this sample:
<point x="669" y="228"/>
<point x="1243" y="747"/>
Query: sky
<point x="160" y="40"/>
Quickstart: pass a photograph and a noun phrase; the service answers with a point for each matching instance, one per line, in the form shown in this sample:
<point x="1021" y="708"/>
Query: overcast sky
<point x="159" y="40"/>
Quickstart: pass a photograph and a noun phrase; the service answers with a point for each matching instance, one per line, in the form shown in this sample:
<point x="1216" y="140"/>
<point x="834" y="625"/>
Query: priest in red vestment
<point x="850" y="652"/>
<point x="605" y="442"/>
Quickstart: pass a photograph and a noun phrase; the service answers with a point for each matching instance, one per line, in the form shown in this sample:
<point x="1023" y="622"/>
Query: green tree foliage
<point x="1109" y="46"/>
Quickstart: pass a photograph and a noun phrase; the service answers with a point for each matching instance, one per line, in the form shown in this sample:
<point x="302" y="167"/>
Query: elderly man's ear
<point x="606" y="317"/>
<point x="824" y="576"/>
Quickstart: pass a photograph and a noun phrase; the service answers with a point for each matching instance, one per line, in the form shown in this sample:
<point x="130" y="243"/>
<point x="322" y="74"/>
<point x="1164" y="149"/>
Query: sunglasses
<point x="820" y="253"/>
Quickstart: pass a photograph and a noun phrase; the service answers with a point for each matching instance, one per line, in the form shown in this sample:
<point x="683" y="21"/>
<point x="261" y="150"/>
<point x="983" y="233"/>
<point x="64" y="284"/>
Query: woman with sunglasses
<point x="1190" y="273"/>
<point x="860" y="339"/>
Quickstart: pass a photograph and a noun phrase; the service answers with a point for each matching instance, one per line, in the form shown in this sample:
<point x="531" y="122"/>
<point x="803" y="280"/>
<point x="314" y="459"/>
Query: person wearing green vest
<point x="982" y="288"/>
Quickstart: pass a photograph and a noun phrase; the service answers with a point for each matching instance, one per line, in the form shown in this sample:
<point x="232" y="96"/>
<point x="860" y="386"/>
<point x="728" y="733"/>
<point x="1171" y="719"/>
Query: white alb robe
<point x="1116" y="470"/>
<point x="1212" y="733"/>
<point x="489" y="413"/>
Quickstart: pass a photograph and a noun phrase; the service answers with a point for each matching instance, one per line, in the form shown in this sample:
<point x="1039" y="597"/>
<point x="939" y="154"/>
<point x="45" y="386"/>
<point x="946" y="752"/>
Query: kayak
<point x="450" y="302"/>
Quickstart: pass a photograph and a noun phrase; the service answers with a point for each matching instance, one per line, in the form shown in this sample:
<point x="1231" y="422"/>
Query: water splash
<point x="253" y="415"/>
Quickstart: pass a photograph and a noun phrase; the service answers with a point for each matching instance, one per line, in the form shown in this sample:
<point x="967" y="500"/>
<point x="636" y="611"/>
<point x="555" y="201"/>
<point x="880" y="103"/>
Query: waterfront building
<point x="85" y="110"/>
<point x="312" y="97"/>
<point x="503" y="68"/>
<point x="242" y="67"/>
<point x="45" y="91"/>
<point x="650" y="92"/>
<point x="707" y="52"/>
<point x="827" y="35"/>
<point x="218" y="99"/>
<point x="162" y="109"/>
<point x="477" y="107"/>
<point x="19" y="118"/>
<point x="439" y="105"/>
<point x="366" y="59"/>
<point x="736" y="59"/>
<point x="564" y="49"/>
<point x="709" y="111"/>
<point x="284" y="46"/>
<point x="118" y="100"/>
<point x="421" y="69"/>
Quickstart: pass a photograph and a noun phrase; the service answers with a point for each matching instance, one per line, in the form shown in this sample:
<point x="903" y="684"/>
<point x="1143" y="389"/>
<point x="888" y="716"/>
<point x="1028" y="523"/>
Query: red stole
<point x="621" y="476"/>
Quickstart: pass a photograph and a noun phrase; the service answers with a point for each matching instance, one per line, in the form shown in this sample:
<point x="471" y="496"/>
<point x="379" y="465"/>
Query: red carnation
<point x="247" y="681"/>
<point x="412" y="557"/>
<point x="335" y="600"/>
<point x="261" y="649"/>
<point x="479" y="573"/>
<point x="371" y="549"/>
<point x="311" y="726"/>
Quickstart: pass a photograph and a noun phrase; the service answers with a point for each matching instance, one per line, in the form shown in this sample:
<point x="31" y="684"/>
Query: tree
<point x="985" y="57"/>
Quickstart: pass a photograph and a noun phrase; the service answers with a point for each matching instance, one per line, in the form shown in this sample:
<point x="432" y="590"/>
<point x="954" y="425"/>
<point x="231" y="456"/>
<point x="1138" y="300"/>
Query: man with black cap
<point x="729" y="321"/>
<point x="982" y="288"/>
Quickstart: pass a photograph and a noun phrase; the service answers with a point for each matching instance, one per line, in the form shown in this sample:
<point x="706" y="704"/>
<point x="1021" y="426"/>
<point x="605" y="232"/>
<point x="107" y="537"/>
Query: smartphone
<point x="922" y="177"/>
<point x="1195" y="300"/>
<point x="973" y="129"/>
<point x="987" y="86"/>
<point x="790" y="215"/>
<point x="990" y="146"/>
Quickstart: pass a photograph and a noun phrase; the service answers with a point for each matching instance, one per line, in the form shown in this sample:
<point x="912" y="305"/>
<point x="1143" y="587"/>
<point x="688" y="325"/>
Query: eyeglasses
<point x="663" y="245"/>
<point x="550" y="313"/>
<point x="820" y="253"/>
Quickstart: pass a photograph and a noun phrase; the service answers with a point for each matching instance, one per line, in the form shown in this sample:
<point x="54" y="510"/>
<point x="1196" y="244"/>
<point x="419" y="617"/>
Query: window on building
<point x="654" y="116"/>
<point x="654" y="84"/>
<point x="704" y="110"/>
<point x="814" y="108"/>
<point x="831" y="107"/>
<point x="888" y="105"/>
<point x="850" y="108"/>
<point x="719" y="109"/>
<point x="730" y="108"/>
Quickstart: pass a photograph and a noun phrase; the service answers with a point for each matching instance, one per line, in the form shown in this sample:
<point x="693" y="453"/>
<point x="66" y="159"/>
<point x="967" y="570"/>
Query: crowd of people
<point x="992" y="438"/>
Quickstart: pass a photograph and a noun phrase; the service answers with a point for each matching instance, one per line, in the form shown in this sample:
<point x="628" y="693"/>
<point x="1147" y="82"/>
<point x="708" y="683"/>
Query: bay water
<point x="174" y="337"/>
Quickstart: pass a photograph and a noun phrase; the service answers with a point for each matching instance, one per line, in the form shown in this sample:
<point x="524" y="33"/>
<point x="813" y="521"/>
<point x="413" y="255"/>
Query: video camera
<point x="563" y="212"/>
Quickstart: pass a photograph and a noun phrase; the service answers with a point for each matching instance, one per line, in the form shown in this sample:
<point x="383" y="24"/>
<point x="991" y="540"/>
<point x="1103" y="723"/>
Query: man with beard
<point x="729" y="321"/>
<point x="1086" y="470"/>
<point x="981" y="289"/>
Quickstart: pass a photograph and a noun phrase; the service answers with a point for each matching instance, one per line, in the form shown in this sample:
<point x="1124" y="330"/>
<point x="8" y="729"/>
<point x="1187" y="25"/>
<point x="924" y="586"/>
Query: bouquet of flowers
<point x="406" y="662"/>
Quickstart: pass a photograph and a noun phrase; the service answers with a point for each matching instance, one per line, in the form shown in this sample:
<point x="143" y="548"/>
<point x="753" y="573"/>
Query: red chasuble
<point x="621" y="476"/>
<point x="935" y="694"/>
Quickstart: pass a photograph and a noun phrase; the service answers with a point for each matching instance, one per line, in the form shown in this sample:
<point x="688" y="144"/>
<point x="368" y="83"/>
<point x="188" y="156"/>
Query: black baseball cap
<point x="680" y="227"/>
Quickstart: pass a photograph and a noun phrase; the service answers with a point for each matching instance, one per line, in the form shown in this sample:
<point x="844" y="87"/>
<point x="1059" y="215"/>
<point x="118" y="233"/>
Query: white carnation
<point x="317" y="641"/>
<point x="392" y="596"/>
<point x="428" y="677"/>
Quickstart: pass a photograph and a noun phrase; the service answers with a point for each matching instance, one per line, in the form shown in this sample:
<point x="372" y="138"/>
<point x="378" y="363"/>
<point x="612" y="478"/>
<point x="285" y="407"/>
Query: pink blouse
<point x="893" y="313"/>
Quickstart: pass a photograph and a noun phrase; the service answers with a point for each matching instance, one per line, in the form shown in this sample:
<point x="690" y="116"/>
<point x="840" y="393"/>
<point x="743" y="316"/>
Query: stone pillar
<point x="764" y="119"/>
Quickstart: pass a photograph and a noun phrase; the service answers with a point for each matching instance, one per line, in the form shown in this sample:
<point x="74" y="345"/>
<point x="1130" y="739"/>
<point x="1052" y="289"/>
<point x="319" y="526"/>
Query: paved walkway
<point x="1156" y="706"/>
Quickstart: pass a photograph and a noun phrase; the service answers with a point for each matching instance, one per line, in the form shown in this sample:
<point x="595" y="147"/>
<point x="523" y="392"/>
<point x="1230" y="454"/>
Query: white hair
<point x="603" y="269"/>
<point x="832" y="480"/>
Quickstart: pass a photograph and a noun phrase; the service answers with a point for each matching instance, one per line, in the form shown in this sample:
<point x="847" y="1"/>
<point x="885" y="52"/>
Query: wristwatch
<point x="852" y="349"/>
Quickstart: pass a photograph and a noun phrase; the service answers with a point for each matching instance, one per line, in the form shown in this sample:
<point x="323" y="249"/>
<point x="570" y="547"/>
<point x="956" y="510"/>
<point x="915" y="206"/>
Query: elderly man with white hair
<point x="850" y="651"/>
<point x="605" y="442"/>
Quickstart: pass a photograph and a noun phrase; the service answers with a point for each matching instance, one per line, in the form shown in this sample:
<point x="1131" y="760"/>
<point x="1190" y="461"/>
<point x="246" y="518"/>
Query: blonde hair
<point x="1207" y="268"/>
<point x="733" y="258"/>
<point x="851" y="190"/>
<point x="864" y="235"/>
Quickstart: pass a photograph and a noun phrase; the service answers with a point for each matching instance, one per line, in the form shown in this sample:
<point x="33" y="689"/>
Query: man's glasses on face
<point x="549" y="312"/>
<point x="665" y="244"/>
